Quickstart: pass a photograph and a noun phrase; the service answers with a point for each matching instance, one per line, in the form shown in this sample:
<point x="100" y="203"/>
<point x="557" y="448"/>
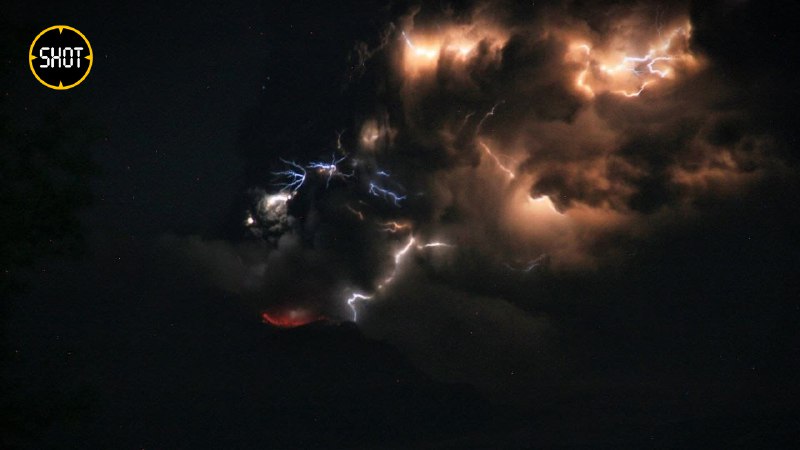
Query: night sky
<point x="485" y="224"/>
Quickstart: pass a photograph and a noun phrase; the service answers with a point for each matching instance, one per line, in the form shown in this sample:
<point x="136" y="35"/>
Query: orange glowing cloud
<point x="422" y="51"/>
<point x="622" y="66"/>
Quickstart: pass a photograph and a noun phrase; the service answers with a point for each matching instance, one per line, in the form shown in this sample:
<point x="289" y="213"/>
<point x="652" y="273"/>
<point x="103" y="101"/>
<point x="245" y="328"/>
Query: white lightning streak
<point x="399" y="256"/>
<point x="532" y="264"/>
<point x="635" y="93"/>
<point x="486" y="148"/>
<point x="486" y="117"/>
<point x="464" y="122"/>
<point x="505" y="169"/>
<point x="433" y="245"/>
<point x="355" y="297"/>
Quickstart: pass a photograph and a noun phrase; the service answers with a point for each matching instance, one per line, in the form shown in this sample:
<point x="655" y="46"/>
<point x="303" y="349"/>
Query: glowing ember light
<point x="290" y="318"/>
<point x="356" y="212"/>
<point x="394" y="227"/>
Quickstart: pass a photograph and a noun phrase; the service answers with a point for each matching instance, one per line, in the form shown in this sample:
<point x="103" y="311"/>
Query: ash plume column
<point x="519" y="139"/>
<point x="581" y="149"/>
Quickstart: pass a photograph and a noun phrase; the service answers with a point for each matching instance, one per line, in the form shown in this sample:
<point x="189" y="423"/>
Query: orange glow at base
<point x="290" y="318"/>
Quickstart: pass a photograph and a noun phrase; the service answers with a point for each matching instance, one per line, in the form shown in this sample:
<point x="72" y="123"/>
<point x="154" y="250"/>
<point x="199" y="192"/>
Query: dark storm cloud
<point x="515" y="140"/>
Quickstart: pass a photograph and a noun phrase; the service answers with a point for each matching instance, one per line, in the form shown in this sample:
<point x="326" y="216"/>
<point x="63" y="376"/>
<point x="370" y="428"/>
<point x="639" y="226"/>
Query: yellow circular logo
<point x="60" y="57"/>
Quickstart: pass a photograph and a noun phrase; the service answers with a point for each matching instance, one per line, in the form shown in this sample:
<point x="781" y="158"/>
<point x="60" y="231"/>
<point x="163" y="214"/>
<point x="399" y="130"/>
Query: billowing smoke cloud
<point x="490" y="144"/>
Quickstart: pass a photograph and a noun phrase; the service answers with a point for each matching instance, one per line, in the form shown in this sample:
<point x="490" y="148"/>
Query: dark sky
<point x="676" y="326"/>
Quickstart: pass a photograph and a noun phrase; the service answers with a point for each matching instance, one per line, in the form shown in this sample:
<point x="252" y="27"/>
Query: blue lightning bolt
<point x="293" y="179"/>
<point x="386" y="194"/>
<point x="330" y="169"/>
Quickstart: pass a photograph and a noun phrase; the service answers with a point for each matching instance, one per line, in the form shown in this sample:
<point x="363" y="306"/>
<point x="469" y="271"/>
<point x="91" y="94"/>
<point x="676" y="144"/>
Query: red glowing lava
<point x="290" y="318"/>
